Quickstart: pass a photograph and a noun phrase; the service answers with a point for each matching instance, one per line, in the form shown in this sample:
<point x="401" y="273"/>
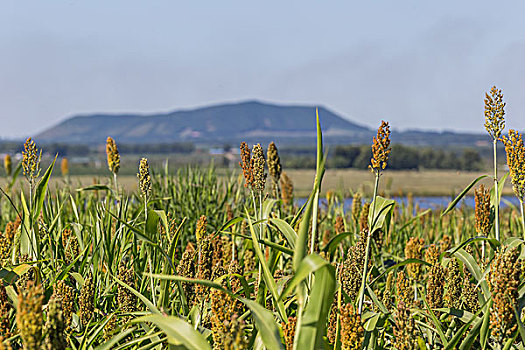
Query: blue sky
<point x="417" y="64"/>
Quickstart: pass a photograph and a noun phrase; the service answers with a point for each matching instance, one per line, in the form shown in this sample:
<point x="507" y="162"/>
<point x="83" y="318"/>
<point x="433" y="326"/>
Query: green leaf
<point x="152" y="222"/>
<point x="462" y="194"/>
<point x="40" y="192"/>
<point x="485" y="326"/>
<point x="178" y="331"/>
<point x="110" y="344"/>
<point x="302" y="236"/>
<point x="15" y="174"/>
<point x="334" y="242"/>
<point x="382" y="213"/>
<point x="437" y="324"/>
<point x="96" y="187"/>
<point x="269" y="331"/>
<point x="313" y="322"/>
<point x="287" y="231"/>
<point x="474" y="269"/>
<point x="265" y="323"/>
<point x="308" y="265"/>
<point x="267" y="275"/>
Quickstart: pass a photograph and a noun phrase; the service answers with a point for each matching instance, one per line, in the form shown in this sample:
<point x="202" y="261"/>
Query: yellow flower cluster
<point x="515" y="150"/>
<point x="380" y="148"/>
<point x="31" y="157"/>
<point x="494" y="112"/>
<point x="144" y="178"/>
<point x="112" y="155"/>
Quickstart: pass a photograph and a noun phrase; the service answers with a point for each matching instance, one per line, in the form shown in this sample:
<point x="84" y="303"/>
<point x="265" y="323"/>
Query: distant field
<point x="419" y="183"/>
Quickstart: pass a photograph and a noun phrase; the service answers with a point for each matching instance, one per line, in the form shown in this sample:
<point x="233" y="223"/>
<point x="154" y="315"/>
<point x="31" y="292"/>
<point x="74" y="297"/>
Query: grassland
<point x="347" y="181"/>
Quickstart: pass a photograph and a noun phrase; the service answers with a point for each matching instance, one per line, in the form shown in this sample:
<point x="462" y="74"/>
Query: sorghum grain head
<point x="405" y="331"/>
<point x="246" y="164"/>
<point x="64" y="167"/>
<point x="363" y="220"/>
<point x="257" y="165"/>
<point x="515" y="149"/>
<point x="482" y="210"/>
<point x="29" y="316"/>
<point x="274" y="162"/>
<point x="289" y="332"/>
<point x="494" y="113"/>
<point x="8" y="165"/>
<point x="5" y="307"/>
<point x="200" y="232"/>
<point x="86" y="300"/>
<point x="504" y="280"/>
<point x="453" y="285"/>
<point x="380" y="148"/>
<point x="339" y="226"/>
<point x="414" y="250"/>
<point x="31" y="157"/>
<point x="405" y="293"/>
<point x="65" y="295"/>
<point x="356" y="205"/>
<point x="113" y="156"/>
<point x="144" y="178"/>
<point x="55" y="338"/>
<point x="352" y="331"/>
<point x="286" y="189"/>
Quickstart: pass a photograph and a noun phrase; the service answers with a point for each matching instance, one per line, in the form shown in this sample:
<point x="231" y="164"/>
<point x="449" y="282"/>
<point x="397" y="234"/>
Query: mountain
<point x="250" y="121"/>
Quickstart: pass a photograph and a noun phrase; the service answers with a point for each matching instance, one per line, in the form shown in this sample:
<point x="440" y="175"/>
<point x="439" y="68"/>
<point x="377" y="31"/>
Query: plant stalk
<point x="496" y="191"/>
<point x="522" y="208"/>
<point x="367" y="251"/>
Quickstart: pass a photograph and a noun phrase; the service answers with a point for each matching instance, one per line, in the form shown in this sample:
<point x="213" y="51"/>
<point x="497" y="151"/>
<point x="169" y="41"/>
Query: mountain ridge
<point x="251" y="121"/>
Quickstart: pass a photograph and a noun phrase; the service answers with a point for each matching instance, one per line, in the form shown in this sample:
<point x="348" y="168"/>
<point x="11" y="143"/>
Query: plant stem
<point x="522" y="207"/>
<point x="496" y="191"/>
<point x="367" y="251"/>
<point x="314" y="222"/>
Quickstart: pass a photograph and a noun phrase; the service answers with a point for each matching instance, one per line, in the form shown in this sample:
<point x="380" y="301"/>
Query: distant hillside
<point x="250" y="121"/>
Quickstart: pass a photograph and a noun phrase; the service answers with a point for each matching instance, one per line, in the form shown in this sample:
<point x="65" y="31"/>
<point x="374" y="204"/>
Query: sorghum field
<point x="194" y="261"/>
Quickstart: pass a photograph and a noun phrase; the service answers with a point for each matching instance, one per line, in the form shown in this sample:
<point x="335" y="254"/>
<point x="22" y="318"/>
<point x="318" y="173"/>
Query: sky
<point x="417" y="64"/>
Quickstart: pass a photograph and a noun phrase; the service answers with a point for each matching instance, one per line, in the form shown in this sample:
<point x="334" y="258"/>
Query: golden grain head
<point x="257" y="164"/>
<point x="200" y="231"/>
<point x="31" y="157"/>
<point x="357" y="204"/>
<point x="515" y="149"/>
<point x="286" y="189"/>
<point x="363" y="219"/>
<point x="414" y="250"/>
<point x="482" y="210"/>
<point x="144" y="178"/>
<point x="352" y="331"/>
<point x="380" y="148"/>
<point x="64" y="167"/>
<point x="289" y="332"/>
<point x="453" y="285"/>
<point x="29" y="316"/>
<point x="246" y="164"/>
<point x="55" y="337"/>
<point x="86" y="300"/>
<point x="274" y="162"/>
<point x="8" y="165"/>
<point x="504" y="280"/>
<point x="494" y="113"/>
<point x="65" y="295"/>
<point x="113" y="155"/>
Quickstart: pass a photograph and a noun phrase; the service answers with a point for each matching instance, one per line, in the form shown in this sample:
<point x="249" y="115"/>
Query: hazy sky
<point x="418" y="64"/>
